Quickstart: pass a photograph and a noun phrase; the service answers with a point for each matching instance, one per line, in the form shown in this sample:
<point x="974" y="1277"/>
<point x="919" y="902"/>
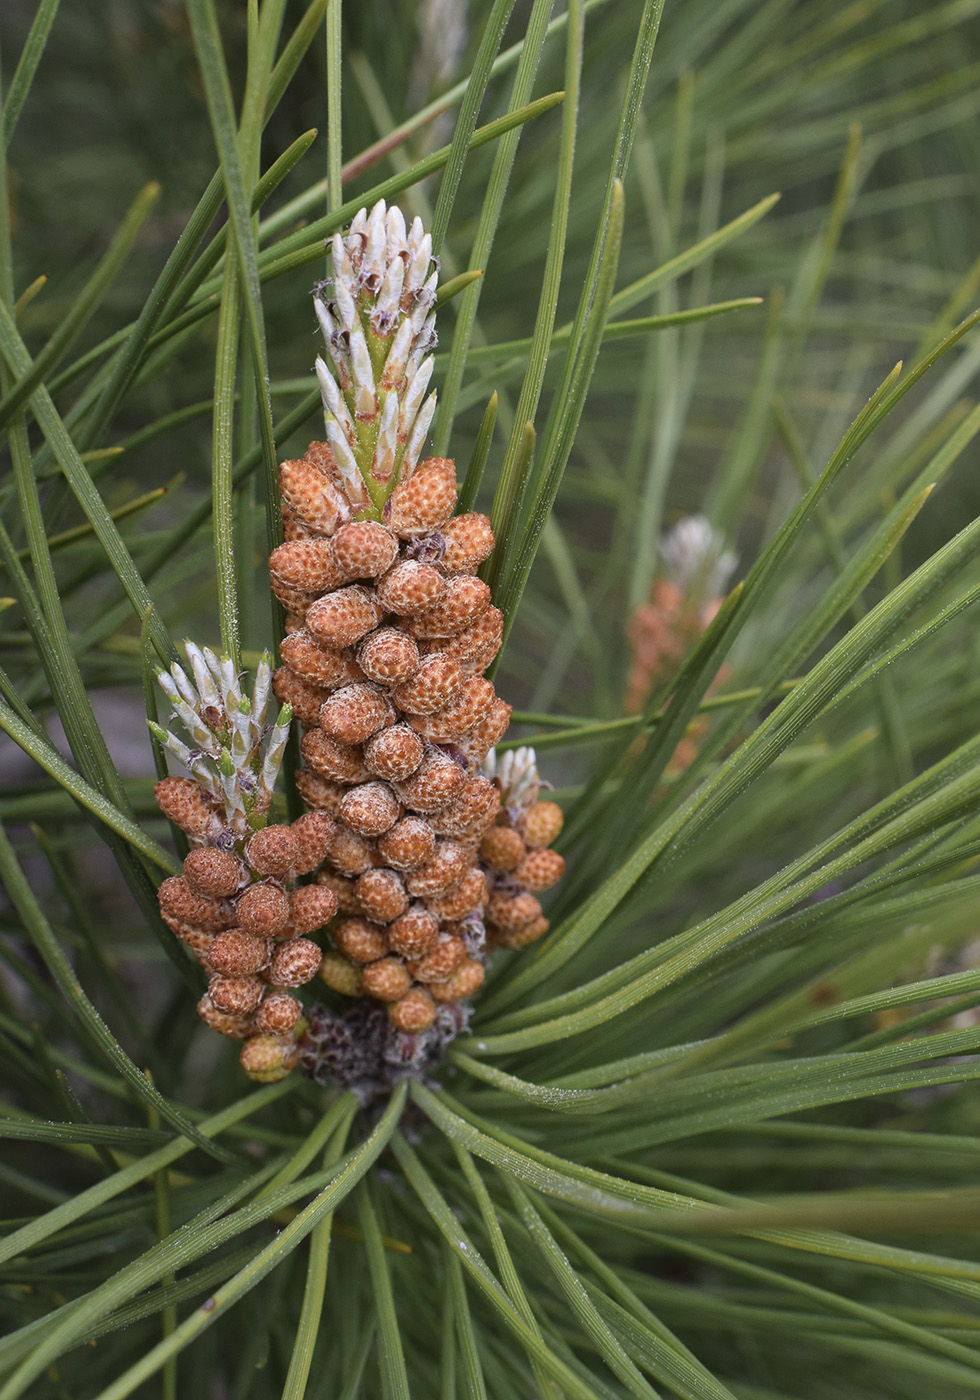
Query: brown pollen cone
<point x="247" y="922"/>
<point x="403" y="607"/>
<point x="418" y="853"/>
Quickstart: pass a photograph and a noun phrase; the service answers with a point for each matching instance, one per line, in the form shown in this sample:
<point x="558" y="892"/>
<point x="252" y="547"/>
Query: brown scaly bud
<point x="425" y="500"/>
<point x="293" y="528"/>
<point x="462" y="899"/>
<point x="235" y="953"/>
<point x="521" y="937"/>
<point x="340" y="974"/>
<point x="277" y="1013"/>
<point x="410" y="588"/>
<point x="294" y="962"/>
<point x="349" y="853"/>
<point x="434" y="684"/>
<point x="445" y="869"/>
<point x="541" y="823"/>
<point x="388" y="656"/>
<point x="471" y="813"/>
<point x="182" y="801"/>
<point x="468" y="540"/>
<point x="369" y="809"/>
<point x="294" y="600"/>
<point x="361" y="941"/>
<point x="478" y="743"/>
<point x="263" y="910"/>
<point x="319" y="793"/>
<point x="394" y="753"/>
<point x="503" y="848"/>
<point x="442" y="962"/>
<point x="340" y="762"/>
<point x="482" y="637"/>
<point x="476" y="665"/>
<point x="238" y="996"/>
<point x="464" y="983"/>
<point x="213" y="872"/>
<point x="469" y="707"/>
<point x="415" y="933"/>
<point x="408" y="844"/>
<point x="310" y="908"/>
<point x="224" y="1022"/>
<point x="382" y="895"/>
<point x="509" y="912"/>
<point x="466" y="821"/>
<point x="341" y="618"/>
<point x="313" y="833"/>
<point x="387" y="979"/>
<point x="414" y="1012"/>
<point x="362" y="549"/>
<point x="436" y="781"/>
<point x="354" y="713"/>
<point x="304" y="698"/>
<point x="180" y="901"/>
<point x="199" y="940"/>
<point x="312" y="495"/>
<point x="309" y="565"/>
<point x="459" y="605"/>
<point x="540" y="869"/>
<point x="273" y="850"/>
<point x="343" y="891"/>
<point x="317" y="664"/>
<point x="269" y="1058"/>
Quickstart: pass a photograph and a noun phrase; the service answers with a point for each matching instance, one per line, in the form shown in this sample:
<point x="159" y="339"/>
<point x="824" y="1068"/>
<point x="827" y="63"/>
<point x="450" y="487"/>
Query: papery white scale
<point x="374" y="260"/>
<point x="416" y="392"/>
<point x="346" y="464"/>
<point x="414" y="449"/>
<point x="207" y="673"/>
<point x="420" y="251"/>
<point x="401" y="347"/>
<point x="357" y="223"/>
<point x="187" y="714"/>
<point x="385" y="452"/>
<point x="365" y="393"/>
<point x="333" y="400"/>
<point x="261" y="691"/>
<point x="242" y="737"/>
<point x="180" y="688"/>
<point x="389" y="299"/>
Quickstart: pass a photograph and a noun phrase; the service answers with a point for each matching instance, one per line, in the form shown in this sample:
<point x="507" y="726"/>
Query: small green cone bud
<point x="268" y="1058"/>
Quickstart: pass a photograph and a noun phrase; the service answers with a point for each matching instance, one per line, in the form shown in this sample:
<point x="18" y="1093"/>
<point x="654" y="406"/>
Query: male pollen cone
<point x="415" y="843"/>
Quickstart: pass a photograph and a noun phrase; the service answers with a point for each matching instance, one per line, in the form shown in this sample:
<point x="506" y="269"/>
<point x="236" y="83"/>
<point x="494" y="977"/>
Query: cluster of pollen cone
<point x="424" y="852"/>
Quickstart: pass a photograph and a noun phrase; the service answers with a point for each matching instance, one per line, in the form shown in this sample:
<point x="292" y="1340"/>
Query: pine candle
<point x="427" y="855"/>
<point x="237" y="905"/>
